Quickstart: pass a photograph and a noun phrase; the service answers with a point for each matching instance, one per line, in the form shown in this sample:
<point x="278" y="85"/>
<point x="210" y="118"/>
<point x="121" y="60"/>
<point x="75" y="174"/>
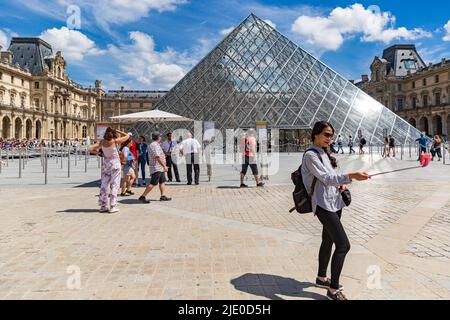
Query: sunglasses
<point x="328" y="135"/>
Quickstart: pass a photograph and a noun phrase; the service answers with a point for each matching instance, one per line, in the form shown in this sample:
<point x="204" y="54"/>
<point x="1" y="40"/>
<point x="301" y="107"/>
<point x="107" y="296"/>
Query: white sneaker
<point x="114" y="210"/>
<point x="103" y="210"/>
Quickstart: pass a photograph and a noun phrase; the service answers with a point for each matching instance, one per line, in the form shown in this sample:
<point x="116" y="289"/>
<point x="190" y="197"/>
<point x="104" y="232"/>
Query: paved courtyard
<point x="216" y="241"/>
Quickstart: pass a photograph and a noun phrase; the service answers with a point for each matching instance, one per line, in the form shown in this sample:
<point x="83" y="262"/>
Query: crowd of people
<point x="32" y="144"/>
<point x="435" y="146"/>
<point x="124" y="157"/>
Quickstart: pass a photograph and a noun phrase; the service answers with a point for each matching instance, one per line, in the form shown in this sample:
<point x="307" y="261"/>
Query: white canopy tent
<point x="152" y="116"/>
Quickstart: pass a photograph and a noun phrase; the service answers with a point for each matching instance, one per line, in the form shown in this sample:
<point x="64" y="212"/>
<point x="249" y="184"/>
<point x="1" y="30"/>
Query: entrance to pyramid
<point x="256" y="74"/>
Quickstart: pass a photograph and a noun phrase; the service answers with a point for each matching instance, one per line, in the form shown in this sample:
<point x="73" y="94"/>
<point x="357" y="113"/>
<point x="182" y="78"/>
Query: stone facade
<point x="43" y="103"/>
<point x="418" y="93"/>
<point x="121" y="102"/>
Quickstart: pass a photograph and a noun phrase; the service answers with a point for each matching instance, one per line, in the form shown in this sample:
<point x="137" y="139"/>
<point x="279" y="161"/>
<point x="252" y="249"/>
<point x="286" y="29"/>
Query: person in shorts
<point x="248" y="147"/>
<point x="158" y="169"/>
<point x="128" y="173"/>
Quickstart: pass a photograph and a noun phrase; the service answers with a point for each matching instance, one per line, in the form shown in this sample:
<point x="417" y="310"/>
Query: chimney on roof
<point x="443" y="61"/>
<point x="121" y="88"/>
<point x="365" y="78"/>
<point x="430" y="65"/>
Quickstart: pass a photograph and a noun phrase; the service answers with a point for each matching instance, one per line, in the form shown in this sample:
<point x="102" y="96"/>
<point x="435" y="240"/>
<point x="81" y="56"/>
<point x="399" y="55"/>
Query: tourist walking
<point x="350" y="145"/>
<point x="110" y="183"/>
<point x="128" y="169"/>
<point x="385" y="151"/>
<point x="340" y="143"/>
<point x="391" y="146"/>
<point x="249" y="150"/>
<point x="436" y="148"/>
<point x="142" y="149"/>
<point x="423" y="142"/>
<point x="362" y="143"/>
<point x="158" y="168"/>
<point x="190" y="148"/>
<point x="319" y="170"/>
<point x="168" y="146"/>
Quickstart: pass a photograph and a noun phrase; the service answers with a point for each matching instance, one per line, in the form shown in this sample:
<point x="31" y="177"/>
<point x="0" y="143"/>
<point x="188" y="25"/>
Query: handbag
<point x="346" y="197"/>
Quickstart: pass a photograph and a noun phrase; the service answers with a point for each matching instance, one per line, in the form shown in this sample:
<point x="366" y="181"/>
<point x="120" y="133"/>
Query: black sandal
<point x="338" y="295"/>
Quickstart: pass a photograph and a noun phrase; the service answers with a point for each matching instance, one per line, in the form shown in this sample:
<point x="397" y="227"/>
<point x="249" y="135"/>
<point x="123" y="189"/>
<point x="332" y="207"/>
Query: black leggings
<point x="333" y="232"/>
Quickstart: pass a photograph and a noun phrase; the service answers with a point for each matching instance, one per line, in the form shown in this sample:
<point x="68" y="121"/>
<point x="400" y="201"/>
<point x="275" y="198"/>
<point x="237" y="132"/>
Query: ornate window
<point x="425" y="101"/>
<point x="84" y="132"/>
<point x="437" y="97"/>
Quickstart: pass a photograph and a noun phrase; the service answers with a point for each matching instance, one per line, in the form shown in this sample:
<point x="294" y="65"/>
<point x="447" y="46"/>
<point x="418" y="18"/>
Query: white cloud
<point x="226" y="31"/>
<point x="3" y="40"/>
<point x="124" y="11"/>
<point x="73" y="44"/>
<point x="104" y="12"/>
<point x="142" y="62"/>
<point x="330" y="32"/>
<point x="270" y="23"/>
<point x="447" y="28"/>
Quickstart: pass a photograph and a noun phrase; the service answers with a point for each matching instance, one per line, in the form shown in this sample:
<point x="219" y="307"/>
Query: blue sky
<point x="151" y="44"/>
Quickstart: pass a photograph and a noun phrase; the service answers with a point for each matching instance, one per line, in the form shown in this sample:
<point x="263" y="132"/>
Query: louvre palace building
<point x="417" y="92"/>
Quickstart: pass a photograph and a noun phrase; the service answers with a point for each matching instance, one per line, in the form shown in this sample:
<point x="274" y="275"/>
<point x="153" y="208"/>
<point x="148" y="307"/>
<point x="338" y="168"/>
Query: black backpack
<point x="302" y="199"/>
<point x="363" y="141"/>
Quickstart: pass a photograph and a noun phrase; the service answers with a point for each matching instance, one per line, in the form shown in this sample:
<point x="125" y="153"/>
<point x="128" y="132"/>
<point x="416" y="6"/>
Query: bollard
<point x="46" y="167"/>
<point x="23" y="160"/>
<point x="20" y="164"/>
<point x="98" y="161"/>
<point x="62" y="156"/>
<point x="401" y="152"/>
<point x="68" y="162"/>
<point x="57" y="155"/>
<point x="7" y="156"/>
<point x="1" y="160"/>
<point x="443" y="155"/>
<point x="86" y="160"/>
<point x="76" y="155"/>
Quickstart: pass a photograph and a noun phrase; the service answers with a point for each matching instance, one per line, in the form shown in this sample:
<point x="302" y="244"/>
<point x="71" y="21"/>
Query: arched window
<point x="85" y="112"/>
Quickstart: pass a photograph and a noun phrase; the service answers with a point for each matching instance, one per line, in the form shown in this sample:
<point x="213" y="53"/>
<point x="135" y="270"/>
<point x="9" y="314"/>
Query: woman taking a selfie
<point x="327" y="203"/>
<point x="111" y="168"/>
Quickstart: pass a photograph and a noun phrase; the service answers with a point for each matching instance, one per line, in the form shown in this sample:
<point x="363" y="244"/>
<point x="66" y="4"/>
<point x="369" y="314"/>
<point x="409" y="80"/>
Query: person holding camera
<point x="110" y="183"/>
<point x="329" y="197"/>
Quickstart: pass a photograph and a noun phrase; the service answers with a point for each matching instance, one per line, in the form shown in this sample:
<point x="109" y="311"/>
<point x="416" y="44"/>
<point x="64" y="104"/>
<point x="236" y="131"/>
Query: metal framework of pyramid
<point x="257" y="74"/>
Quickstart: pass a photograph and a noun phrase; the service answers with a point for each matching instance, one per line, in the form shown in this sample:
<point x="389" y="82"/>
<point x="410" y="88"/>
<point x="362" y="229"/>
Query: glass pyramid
<point x="257" y="74"/>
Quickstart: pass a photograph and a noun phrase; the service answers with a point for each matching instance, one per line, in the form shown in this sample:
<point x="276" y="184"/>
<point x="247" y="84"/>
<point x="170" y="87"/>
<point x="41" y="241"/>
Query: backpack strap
<point x="314" y="182"/>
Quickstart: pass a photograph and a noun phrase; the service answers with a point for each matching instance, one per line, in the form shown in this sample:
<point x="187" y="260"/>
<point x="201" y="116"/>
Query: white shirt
<point x="190" y="146"/>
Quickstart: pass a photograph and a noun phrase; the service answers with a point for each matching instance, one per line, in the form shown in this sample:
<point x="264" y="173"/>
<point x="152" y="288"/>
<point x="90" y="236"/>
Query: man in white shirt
<point x="190" y="148"/>
<point x="157" y="169"/>
<point x="168" y="146"/>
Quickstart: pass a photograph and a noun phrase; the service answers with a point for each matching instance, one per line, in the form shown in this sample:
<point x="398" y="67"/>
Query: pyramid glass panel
<point x="257" y="74"/>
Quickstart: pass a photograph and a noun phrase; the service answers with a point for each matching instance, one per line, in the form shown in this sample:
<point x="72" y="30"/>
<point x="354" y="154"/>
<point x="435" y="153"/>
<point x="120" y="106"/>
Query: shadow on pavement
<point x="130" y="201"/>
<point x="92" y="184"/>
<point x="79" y="211"/>
<point x="228" y="187"/>
<point x="270" y="286"/>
